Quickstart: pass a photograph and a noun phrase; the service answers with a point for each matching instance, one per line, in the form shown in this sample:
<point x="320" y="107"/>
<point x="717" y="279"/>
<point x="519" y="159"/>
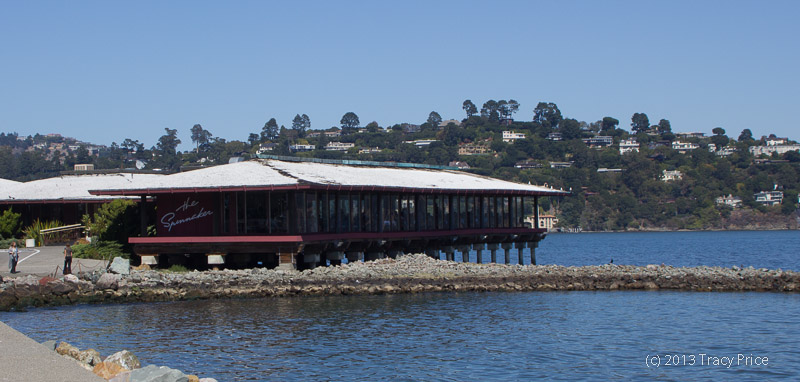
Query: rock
<point x="124" y="376"/>
<point x="120" y="266"/>
<point x="68" y="350"/>
<point x="152" y="373"/>
<point x="90" y="357"/>
<point x="31" y="281"/>
<point x="50" y="345"/>
<point x="108" y="281"/>
<point x="125" y="359"/>
<point x="60" y="287"/>
<point x="193" y="378"/>
<point x="71" y="279"/>
<point x="108" y="370"/>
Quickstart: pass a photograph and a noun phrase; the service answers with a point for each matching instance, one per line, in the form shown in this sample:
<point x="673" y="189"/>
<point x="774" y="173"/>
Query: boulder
<point x="125" y="359"/>
<point x="193" y="378"/>
<point x="152" y="373"/>
<point x="50" y="345"/>
<point x="68" y="350"/>
<point x="90" y="357"/>
<point x="108" y="281"/>
<point x="124" y="376"/>
<point x="60" y="287"/>
<point x="31" y="281"/>
<point x="120" y="266"/>
<point x="108" y="370"/>
<point x="71" y="279"/>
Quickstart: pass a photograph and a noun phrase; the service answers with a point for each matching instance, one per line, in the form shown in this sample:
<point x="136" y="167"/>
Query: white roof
<point x="275" y="173"/>
<point x="5" y="183"/>
<point x="70" y="187"/>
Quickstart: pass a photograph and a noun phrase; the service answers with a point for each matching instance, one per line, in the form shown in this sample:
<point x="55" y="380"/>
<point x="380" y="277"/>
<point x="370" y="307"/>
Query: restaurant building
<point x="303" y="214"/>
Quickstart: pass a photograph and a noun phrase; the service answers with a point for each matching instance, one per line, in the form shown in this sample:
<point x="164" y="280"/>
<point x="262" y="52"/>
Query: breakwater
<point x="407" y="274"/>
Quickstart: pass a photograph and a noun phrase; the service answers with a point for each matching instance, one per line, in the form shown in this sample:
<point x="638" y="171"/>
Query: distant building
<point x="690" y="135"/>
<point x="769" y="150"/>
<point x="444" y="124"/>
<point x="730" y="200"/>
<point x="265" y="147"/>
<point x="299" y="148"/>
<point x="84" y="167"/>
<point x="769" y="198"/>
<point x="369" y="150"/>
<point x="605" y="170"/>
<point x="410" y="127"/>
<point x="461" y="165"/>
<point x="509" y="136"/>
<point x="339" y="146"/>
<point x="555" y="136"/>
<point x="628" y="146"/>
<point x="422" y="142"/>
<point x="560" y="164"/>
<point x="712" y="147"/>
<point x="547" y="222"/>
<point x="684" y="147"/>
<point x="474" y="149"/>
<point x="775" y="141"/>
<point x="668" y="176"/>
<point x="654" y="145"/>
<point x="526" y="164"/>
<point x="727" y="151"/>
<point x="599" y="141"/>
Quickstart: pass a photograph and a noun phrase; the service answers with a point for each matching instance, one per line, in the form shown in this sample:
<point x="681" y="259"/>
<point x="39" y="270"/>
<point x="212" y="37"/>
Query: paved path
<point x="23" y="359"/>
<point x="43" y="261"/>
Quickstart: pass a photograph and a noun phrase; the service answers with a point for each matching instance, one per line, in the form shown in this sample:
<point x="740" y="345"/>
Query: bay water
<point x="596" y="336"/>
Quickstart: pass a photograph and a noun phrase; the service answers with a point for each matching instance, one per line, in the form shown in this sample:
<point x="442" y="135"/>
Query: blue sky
<point x="103" y="71"/>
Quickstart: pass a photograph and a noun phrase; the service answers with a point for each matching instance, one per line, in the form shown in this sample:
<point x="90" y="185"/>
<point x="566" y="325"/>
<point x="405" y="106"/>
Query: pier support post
<point x="355" y="256"/>
<point x="432" y="253"/>
<point x="493" y="249"/>
<point x="478" y="253"/>
<point x="214" y="260"/>
<point x="506" y="251"/>
<point x="533" y="245"/>
<point x="395" y="253"/>
<point x="520" y="248"/>
<point x="370" y="256"/>
<point x="310" y="260"/>
<point x="287" y="260"/>
<point x="464" y="249"/>
<point x="335" y="257"/>
<point x="449" y="253"/>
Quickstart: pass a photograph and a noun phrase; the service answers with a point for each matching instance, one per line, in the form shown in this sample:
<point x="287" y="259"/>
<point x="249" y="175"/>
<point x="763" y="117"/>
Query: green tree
<point x="547" y="114"/>
<point x="200" y="136"/>
<point x="10" y="224"/>
<point x="746" y="135"/>
<point x="270" y="130"/>
<point x="664" y="127"/>
<point x="349" y="122"/>
<point x="434" y="119"/>
<point x="639" y="122"/>
<point x="490" y="112"/>
<point x="570" y="129"/>
<point x="469" y="108"/>
<point x="719" y="138"/>
<point x="608" y="125"/>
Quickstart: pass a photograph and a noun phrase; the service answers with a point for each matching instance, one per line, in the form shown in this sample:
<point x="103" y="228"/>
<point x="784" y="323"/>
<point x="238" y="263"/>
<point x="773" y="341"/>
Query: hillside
<point x="648" y="178"/>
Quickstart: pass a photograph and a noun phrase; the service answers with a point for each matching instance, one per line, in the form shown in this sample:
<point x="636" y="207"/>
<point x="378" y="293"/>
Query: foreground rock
<point x="407" y="274"/>
<point x="123" y="366"/>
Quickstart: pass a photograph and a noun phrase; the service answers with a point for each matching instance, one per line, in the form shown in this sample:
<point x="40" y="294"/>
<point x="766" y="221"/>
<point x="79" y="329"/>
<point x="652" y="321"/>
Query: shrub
<point x="177" y="269"/>
<point x="10" y="224"/>
<point x="35" y="230"/>
<point x="101" y="250"/>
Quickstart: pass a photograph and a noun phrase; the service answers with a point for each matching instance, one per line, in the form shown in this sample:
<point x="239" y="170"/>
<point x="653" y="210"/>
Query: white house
<point x="628" y="146"/>
<point x="296" y="148"/>
<point x="769" y="198"/>
<point x="683" y="147"/>
<point x="730" y="200"/>
<point x="509" y="136"/>
<point x="780" y="149"/>
<point x="668" y="176"/>
<point x="339" y="146"/>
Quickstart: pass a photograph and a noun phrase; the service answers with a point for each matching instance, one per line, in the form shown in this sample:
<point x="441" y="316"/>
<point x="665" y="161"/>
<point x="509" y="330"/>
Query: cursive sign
<point x="171" y="219"/>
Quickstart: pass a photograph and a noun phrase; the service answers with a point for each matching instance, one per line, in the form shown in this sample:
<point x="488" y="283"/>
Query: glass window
<point x="298" y="216"/>
<point x="462" y="212"/>
<point x="332" y="217"/>
<point x="430" y="212"/>
<point x="356" y="213"/>
<point x="226" y="212"/>
<point x="241" y="217"/>
<point x="278" y="210"/>
<point x="412" y="213"/>
<point x="344" y="212"/>
<point x="311" y="212"/>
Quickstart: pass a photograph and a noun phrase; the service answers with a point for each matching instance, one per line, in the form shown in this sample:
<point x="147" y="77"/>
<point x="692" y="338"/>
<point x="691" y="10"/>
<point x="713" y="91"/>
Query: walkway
<point x="43" y="261"/>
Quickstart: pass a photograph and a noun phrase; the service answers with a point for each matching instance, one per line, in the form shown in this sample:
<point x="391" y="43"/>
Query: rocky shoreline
<point x="407" y="274"/>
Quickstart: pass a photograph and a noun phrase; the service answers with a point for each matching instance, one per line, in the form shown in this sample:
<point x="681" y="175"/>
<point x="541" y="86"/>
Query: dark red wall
<point x="186" y="214"/>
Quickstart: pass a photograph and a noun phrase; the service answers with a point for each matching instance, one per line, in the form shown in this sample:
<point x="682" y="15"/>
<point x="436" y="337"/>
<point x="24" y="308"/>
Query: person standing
<point x="13" y="257"/>
<point x="67" y="260"/>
